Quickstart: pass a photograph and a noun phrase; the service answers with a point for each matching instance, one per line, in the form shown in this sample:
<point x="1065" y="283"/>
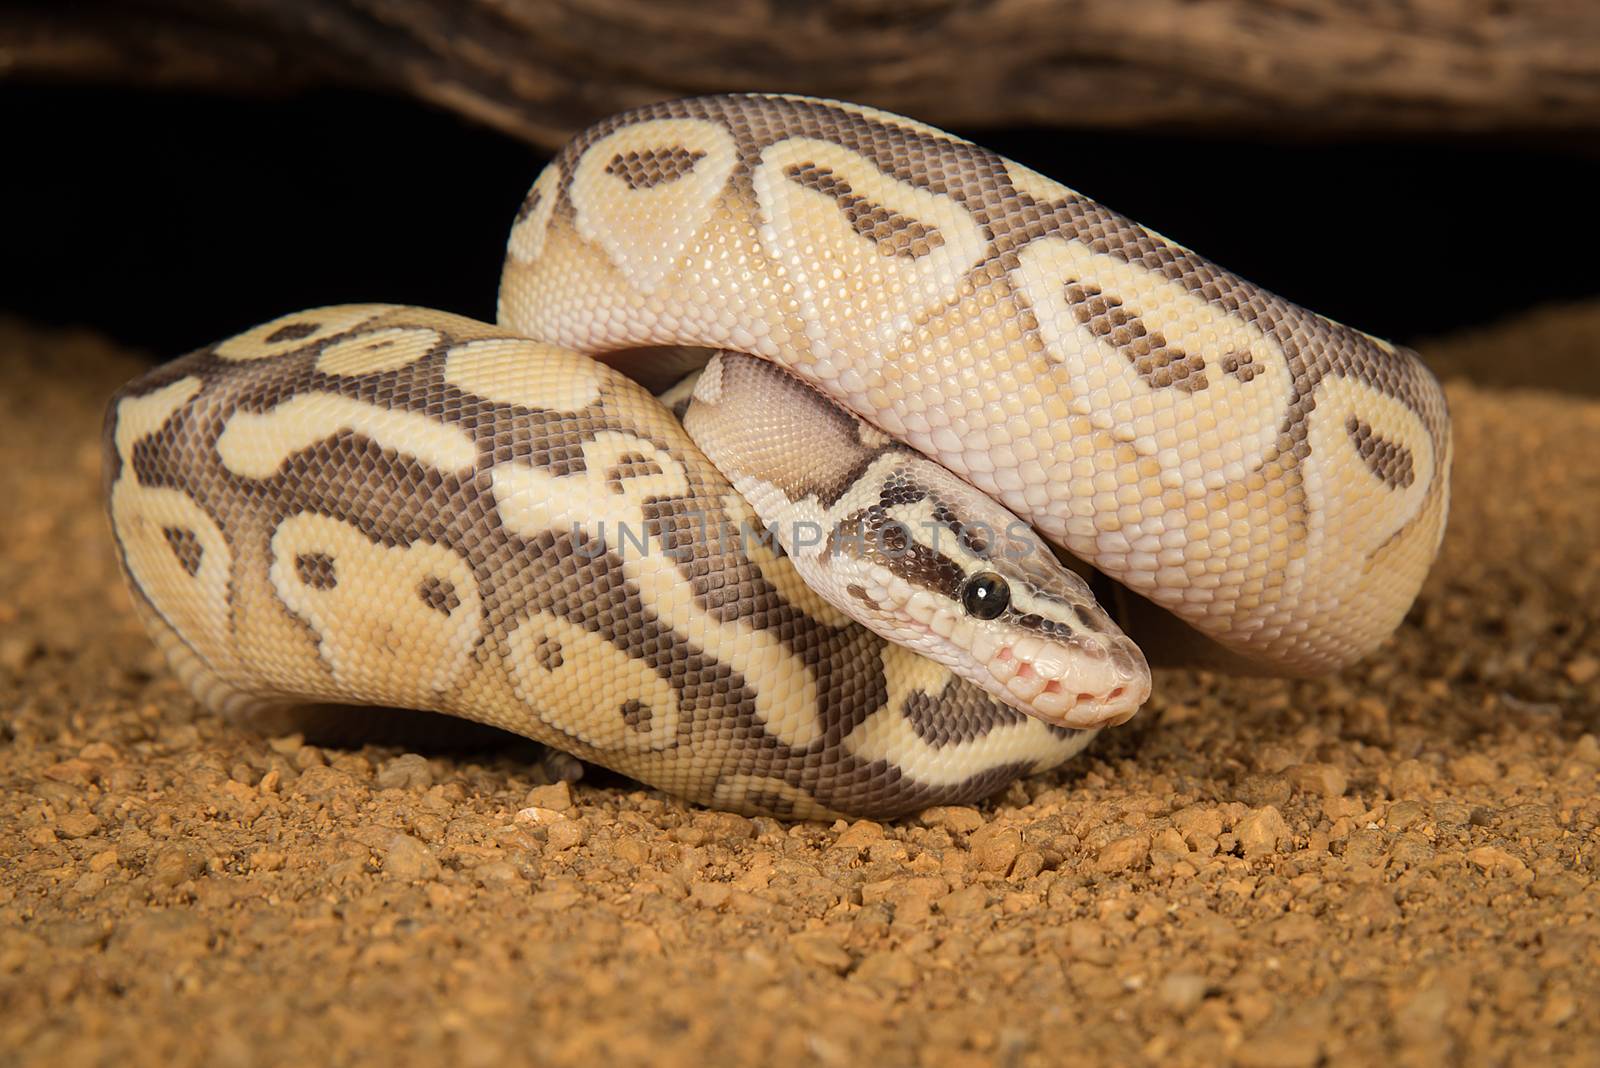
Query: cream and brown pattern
<point x="394" y="506"/>
<point x="1183" y="431"/>
<point x="384" y="505"/>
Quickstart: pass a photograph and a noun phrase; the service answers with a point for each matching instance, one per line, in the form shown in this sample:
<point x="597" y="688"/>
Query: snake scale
<point x="928" y="358"/>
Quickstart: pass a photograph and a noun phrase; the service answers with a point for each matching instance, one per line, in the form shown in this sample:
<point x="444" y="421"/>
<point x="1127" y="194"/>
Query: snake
<point x="942" y="449"/>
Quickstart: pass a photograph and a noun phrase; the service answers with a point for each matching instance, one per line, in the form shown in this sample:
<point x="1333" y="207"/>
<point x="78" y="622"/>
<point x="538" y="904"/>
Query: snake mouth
<point x="1088" y="682"/>
<point x="1079" y="688"/>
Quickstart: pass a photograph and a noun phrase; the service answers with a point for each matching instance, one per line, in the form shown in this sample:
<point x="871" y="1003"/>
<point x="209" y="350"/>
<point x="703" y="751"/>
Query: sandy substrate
<point x="1394" y="865"/>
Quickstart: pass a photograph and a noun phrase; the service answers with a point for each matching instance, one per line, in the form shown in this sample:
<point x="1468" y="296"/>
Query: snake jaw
<point x="1073" y="686"/>
<point x="1085" y="682"/>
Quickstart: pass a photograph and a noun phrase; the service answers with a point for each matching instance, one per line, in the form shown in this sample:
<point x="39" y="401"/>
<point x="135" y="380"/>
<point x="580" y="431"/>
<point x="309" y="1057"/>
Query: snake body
<point x="394" y="506"/>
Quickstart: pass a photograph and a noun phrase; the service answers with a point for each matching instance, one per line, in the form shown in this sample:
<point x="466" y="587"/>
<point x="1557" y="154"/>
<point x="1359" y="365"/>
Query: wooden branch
<point x="539" y="69"/>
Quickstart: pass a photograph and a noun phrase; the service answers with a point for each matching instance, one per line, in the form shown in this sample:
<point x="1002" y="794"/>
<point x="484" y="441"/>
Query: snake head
<point x="941" y="568"/>
<point x="906" y="548"/>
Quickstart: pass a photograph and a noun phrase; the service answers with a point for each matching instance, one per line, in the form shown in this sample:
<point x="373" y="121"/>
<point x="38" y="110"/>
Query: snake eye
<point x="985" y="595"/>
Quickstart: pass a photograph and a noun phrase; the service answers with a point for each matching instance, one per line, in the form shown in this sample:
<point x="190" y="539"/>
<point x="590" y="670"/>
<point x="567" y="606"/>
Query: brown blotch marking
<point x="292" y="332"/>
<point x="653" y="166"/>
<point x="633" y="465"/>
<point x="530" y="205"/>
<point x="859" y="592"/>
<point x="1241" y="365"/>
<point x="1390" y="461"/>
<point x="1053" y="628"/>
<point x="185" y="545"/>
<point x="439" y="594"/>
<point x="975" y="538"/>
<point x="547" y="652"/>
<point x="956" y="715"/>
<point x="1087" y="617"/>
<point x="893" y="233"/>
<point x="636" y="714"/>
<point x="769" y="801"/>
<point x="316" y="570"/>
<point x="874" y="535"/>
<point x="1158" y="362"/>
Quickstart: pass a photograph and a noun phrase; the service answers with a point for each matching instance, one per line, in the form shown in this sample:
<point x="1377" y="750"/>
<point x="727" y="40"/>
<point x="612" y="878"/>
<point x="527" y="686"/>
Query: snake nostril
<point x="1114" y="694"/>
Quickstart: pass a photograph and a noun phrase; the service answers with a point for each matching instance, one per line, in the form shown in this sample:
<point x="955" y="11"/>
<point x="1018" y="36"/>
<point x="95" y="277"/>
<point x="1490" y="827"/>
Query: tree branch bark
<point x="540" y="69"/>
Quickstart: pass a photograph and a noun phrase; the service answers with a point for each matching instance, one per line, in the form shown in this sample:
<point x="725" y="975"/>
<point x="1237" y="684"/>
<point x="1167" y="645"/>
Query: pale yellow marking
<point x="1353" y="514"/>
<point x="857" y="302"/>
<point x="376" y="635"/>
<point x="195" y="606"/>
<point x="256" y="444"/>
<point x="139" y="417"/>
<point x="262" y="625"/>
<point x="905" y="675"/>
<point x="1232" y="424"/>
<point x="645" y="231"/>
<point x="530" y="374"/>
<point x="528" y="234"/>
<point x="200" y="621"/>
<point x="531" y="501"/>
<point x="1029" y="181"/>
<point x="321" y="323"/>
<point x="583" y="697"/>
<point x="887" y="734"/>
<point x="719" y="294"/>
<point x="381" y="350"/>
<point x="1337" y="471"/>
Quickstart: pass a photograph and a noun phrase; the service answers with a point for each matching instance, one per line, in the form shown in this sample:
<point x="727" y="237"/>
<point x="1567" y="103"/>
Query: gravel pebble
<point x="955" y="819"/>
<point x="995" y="847"/>
<point x="1182" y="992"/>
<point x="1125" y="853"/>
<point x="556" y="796"/>
<point x="408" y="859"/>
<point x="1473" y="769"/>
<point x="406" y="772"/>
<point x="77" y="825"/>
<point x="1322" y="780"/>
<point x="1260" y="832"/>
<point x="177" y="862"/>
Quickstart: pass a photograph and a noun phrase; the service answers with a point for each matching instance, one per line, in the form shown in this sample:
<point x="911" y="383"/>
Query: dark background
<point x="168" y="220"/>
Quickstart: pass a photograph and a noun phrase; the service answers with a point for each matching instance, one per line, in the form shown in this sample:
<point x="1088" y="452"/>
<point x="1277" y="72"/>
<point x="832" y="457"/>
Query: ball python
<point x="920" y="359"/>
